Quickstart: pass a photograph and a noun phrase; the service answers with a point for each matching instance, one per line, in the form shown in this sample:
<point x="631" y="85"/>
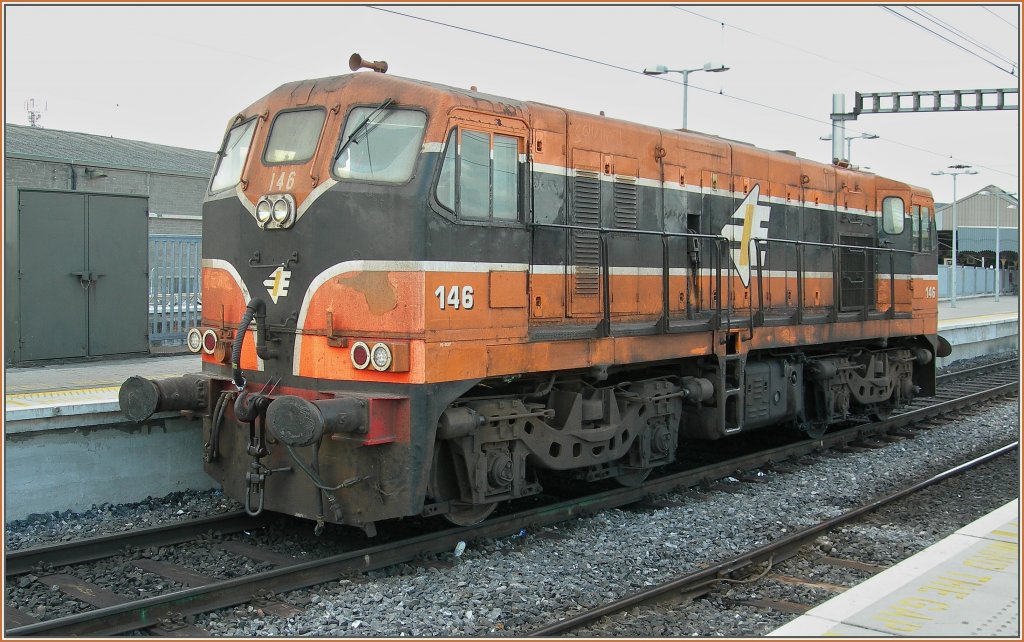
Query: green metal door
<point x="52" y="276"/>
<point x="82" y="275"/>
<point x="118" y="259"/>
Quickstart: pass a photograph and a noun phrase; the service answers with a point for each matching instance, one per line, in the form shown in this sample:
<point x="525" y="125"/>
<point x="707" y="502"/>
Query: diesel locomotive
<point x="425" y="300"/>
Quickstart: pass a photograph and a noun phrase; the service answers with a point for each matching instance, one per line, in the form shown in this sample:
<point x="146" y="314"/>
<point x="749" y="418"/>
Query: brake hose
<point x="257" y="308"/>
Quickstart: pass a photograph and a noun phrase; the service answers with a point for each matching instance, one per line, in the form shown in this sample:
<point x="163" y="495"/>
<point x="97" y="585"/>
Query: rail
<point x="772" y="552"/>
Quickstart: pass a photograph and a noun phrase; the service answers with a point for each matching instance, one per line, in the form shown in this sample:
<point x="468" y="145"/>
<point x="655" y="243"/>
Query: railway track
<point x="167" y="614"/>
<point x="746" y="564"/>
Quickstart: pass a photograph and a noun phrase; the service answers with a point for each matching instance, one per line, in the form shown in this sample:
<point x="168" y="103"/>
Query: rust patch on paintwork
<point x="380" y="293"/>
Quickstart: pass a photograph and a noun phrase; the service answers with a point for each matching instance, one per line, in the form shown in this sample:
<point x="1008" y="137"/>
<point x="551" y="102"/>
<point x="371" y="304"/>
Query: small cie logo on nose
<point x="277" y="284"/>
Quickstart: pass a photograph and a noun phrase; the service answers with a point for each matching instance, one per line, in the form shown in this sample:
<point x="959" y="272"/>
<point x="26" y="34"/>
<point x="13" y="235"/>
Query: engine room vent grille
<point x="586" y="244"/>
<point x="856" y="274"/>
<point x="625" y="203"/>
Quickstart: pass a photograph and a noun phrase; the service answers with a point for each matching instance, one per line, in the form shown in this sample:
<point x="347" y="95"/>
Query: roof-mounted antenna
<point x="35" y="111"/>
<point x="356" y="63"/>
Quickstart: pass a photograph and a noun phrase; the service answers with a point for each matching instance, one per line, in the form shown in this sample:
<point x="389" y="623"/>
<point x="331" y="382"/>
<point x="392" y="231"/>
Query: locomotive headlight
<point x="276" y="211"/>
<point x="360" y="355"/>
<point x="281" y="211"/>
<point x="381" y="355"/>
<point x="195" y="340"/>
<point x="263" y="211"/>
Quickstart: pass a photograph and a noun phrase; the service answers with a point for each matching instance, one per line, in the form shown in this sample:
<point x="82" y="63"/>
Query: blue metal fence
<point x="174" y="301"/>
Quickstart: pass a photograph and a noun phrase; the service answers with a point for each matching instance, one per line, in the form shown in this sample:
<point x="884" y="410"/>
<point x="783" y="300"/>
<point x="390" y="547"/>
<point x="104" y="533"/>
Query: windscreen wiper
<point x="355" y="132"/>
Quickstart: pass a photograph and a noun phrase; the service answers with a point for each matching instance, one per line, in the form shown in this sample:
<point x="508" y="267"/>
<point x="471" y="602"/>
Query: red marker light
<point x="360" y="355"/>
<point x="209" y="341"/>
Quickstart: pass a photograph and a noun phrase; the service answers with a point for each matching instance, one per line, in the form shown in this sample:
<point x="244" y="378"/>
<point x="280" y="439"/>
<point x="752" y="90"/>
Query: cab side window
<point x="479" y="177"/>
<point x="892" y="215"/>
<point x="475" y="175"/>
<point x="927" y="230"/>
<point x="915" y="228"/>
<point x="232" y="156"/>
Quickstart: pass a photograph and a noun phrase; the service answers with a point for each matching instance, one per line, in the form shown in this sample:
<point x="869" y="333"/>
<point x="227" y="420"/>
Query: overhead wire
<point x="944" y="38"/>
<point x="692" y="86"/>
<point x="950" y="28"/>
<point x="999" y="16"/>
<point x="782" y="43"/>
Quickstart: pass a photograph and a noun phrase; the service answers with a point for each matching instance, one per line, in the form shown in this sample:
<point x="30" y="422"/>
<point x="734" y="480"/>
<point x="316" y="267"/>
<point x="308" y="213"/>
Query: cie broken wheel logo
<point x="749" y="221"/>
<point x="277" y="283"/>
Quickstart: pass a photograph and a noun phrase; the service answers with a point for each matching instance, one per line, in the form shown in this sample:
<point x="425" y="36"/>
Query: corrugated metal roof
<point x="980" y="209"/>
<point x="105" y="151"/>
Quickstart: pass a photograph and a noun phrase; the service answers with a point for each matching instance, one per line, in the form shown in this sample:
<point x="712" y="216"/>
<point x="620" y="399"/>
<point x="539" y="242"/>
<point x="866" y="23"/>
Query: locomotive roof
<point x="526" y="105"/>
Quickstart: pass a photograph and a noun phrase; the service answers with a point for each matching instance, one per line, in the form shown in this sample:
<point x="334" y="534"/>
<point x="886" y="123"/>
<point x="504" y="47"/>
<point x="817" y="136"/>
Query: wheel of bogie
<point x="634" y="478"/>
<point x="469" y="514"/>
<point x="814" y="429"/>
<point x="447" y="477"/>
<point x="880" y="412"/>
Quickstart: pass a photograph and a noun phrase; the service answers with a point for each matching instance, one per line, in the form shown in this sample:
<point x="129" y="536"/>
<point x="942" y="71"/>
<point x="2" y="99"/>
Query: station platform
<point x="966" y="585"/>
<point x="55" y="394"/>
<point x="979" y="326"/>
<point x="978" y="309"/>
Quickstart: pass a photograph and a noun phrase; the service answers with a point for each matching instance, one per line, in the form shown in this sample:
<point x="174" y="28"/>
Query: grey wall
<point x="168" y="194"/>
<point x="72" y="469"/>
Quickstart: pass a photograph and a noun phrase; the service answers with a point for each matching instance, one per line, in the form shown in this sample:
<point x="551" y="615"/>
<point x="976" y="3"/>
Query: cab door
<point x="922" y="282"/>
<point x="892" y="262"/>
<point x="486" y="247"/>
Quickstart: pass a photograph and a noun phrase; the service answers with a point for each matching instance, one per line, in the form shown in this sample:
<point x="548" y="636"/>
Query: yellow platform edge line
<point x="55" y="393"/>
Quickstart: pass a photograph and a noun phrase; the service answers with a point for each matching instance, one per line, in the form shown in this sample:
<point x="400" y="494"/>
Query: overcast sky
<point x="176" y="74"/>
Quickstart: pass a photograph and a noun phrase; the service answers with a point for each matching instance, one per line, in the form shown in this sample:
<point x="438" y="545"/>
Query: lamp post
<point x="849" y="143"/>
<point x="997" y="213"/>
<point x="956" y="171"/>
<point x="712" y="67"/>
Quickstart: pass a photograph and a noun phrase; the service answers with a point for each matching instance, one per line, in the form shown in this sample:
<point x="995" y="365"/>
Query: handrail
<point x="757" y="317"/>
<point x="835" y="248"/>
<point x="604" y="328"/>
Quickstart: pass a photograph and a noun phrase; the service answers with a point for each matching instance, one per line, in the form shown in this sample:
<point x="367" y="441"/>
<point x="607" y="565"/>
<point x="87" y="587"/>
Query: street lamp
<point x="712" y="67"/>
<point x="988" y="193"/>
<point x="849" y="143"/>
<point x="999" y="283"/>
<point x="998" y="210"/>
<point x="956" y="171"/>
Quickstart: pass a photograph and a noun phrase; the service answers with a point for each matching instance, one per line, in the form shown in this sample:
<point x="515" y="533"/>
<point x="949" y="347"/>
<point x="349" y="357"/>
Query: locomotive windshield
<point x="294" y="136"/>
<point x="380" y="144"/>
<point x="233" y="155"/>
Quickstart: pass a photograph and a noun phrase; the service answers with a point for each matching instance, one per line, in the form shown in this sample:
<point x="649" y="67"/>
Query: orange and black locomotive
<point x="419" y="299"/>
